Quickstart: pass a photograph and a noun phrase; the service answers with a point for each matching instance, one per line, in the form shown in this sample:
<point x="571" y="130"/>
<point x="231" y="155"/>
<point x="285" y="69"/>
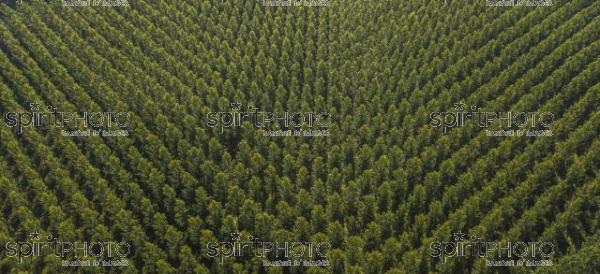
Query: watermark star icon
<point x="459" y="236"/>
<point x="459" y="106"/>
<point x="236" y="105"/>
<point x="35" y="106"/>
<point x="236" y="236"/>
<point x="34" y="235"/>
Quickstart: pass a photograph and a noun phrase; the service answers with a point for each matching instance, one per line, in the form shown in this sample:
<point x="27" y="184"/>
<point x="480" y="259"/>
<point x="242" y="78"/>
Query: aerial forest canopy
<point x="300" y="136"/>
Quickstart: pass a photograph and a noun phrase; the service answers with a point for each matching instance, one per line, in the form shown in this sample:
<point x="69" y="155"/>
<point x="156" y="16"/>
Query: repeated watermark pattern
<point x="512" y="123"/>
<point x="95" y="3"/>
<point x="79" y="124"/>
<point x="84" y="253"/>
<point x="496" y="253"/>
<point x="273" y="253"/>
<point x="295" y="3"/>
<point x="308" y="124"/>
<point x="519" y="3"/>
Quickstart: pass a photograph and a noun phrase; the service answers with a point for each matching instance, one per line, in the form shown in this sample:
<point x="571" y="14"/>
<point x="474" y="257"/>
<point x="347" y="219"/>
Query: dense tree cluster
<point x="380" y="189"/>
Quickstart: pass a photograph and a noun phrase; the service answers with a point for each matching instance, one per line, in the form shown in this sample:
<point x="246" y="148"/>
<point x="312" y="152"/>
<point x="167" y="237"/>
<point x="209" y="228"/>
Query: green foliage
<point x="380" y="189"/>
